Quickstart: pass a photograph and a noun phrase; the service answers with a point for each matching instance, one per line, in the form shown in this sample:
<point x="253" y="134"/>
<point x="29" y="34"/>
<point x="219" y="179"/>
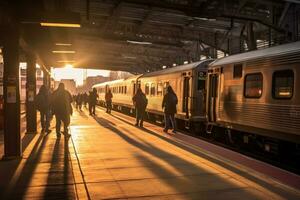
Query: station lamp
<point x="63" y="44"/>
<point x="63" y="51"/>
<point x="49" y="24"/>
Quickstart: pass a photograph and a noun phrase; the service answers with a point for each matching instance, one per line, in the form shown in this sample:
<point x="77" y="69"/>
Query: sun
<point x="68" y="66"/>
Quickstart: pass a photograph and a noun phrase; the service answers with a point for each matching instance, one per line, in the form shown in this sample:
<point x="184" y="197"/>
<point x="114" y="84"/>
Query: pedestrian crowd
<point x="59" y="104"/>
<point x="169" y="105"/>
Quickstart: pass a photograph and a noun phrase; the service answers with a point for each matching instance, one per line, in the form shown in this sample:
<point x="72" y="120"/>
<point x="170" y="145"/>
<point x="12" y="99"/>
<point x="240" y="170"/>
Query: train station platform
<point x="109" y="158"/>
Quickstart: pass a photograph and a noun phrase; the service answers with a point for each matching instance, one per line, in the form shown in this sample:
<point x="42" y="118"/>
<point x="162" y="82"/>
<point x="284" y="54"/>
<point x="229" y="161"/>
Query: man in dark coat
<point x="93" y="101"/>
<point x="42" y="103"/>
<point x="108" y="101"/>
<point x="62" y="108"/>
<point x="169" y="105"/>
<point x="140" y="101"/>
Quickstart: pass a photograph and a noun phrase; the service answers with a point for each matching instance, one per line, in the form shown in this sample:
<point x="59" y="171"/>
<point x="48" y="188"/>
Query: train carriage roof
<point x="117" y="81"/>
<point x="259" y="54"/>
<point x="177" y="68"/>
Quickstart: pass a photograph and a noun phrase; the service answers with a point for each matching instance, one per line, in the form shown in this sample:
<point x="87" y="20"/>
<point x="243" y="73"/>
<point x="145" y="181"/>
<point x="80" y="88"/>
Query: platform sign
<point x="30" y="96"/>
<point x="11" y="94"/>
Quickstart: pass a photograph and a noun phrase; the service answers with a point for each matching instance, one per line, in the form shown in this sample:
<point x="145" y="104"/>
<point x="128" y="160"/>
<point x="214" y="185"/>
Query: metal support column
<point x="251" y="37"/>
<point x="31" y="127"/>
<point x="12" y="137"/>
<point x="46" y="78"/>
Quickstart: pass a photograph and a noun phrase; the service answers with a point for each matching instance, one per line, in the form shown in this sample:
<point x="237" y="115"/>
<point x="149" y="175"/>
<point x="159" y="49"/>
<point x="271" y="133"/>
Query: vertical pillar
<point x="46" y="78"/>
<point x="12" y="137"/>
<point x="31" y="126"/>
<point x="251" y="37"/>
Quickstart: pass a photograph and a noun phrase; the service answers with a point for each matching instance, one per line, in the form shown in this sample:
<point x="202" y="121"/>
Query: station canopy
<point x="142" y="35"/>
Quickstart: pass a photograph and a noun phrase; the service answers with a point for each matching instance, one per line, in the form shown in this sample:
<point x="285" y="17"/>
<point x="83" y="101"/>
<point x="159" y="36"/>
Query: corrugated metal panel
<point x="291" y="48"/>
<point x="284" y="118"/>
<point x="178" y="68"/>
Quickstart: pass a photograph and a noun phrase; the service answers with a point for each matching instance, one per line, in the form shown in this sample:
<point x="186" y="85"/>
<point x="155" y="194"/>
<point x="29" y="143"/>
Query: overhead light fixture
<point x="137" y="42"/>
<point x="63" y="44"/>
<point x="164" y="67"/>
<point x="128" y="57"/>
<point x="65" y="61"/>
<point x="63" y="51"/>
<point x="48" y="24"/>
<point x="186" y="62"/>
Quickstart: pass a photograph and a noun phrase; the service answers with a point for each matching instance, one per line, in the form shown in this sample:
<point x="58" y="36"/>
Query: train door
<point x="185" y="99"/>
<point x="213" y="96"/>
<point x="133" y="88"/>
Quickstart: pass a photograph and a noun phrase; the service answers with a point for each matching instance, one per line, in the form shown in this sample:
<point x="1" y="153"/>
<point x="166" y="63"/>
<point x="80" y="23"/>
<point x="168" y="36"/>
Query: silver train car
<point x="257" y="92"/>
<point x="188" y="82"/>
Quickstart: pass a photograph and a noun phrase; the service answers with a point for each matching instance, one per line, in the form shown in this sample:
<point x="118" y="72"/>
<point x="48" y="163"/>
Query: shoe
<point x="165" y="130"/>
<point x="66" y="134"/>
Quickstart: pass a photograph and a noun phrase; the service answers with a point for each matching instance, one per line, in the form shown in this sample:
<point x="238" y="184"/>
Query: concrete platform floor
<point x="108" y="158"/>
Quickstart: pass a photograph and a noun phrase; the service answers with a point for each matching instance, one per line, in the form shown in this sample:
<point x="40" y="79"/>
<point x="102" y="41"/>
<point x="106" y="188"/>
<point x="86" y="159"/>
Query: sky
<point x="76" y="74"/>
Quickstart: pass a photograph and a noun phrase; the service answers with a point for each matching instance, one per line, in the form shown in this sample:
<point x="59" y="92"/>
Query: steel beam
<point x="12" y="136"/>
<point x="31" y="127"/>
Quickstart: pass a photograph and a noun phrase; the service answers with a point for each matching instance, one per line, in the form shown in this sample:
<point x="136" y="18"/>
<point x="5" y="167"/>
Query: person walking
<point x="85" y="99"/>
<point x="62" y="108"/>
<point x="140" y="102"/>
<point x="108" y="101"/>
<point x="93" y="101"/>
<point x="42" y="103"/>
<point x="79" y="101"/>
<point x="169" y="104"/>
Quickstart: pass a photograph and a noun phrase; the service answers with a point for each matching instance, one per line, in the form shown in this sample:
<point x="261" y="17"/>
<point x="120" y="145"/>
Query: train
<point x="249" y="98"/>
<point x="188" y="81"/>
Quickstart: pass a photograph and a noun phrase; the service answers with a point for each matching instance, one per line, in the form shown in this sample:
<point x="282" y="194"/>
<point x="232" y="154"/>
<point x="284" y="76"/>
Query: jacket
<point x="169" y="103"/>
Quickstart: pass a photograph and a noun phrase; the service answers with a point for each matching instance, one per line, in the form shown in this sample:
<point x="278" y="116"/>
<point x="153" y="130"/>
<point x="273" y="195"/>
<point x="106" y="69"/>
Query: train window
<point x="253" y="85"/>
<point x="238" y="71"/>
<point x="159" y="89"/>
<point x="147" y="89"/>
<point x="125" y="90"/>
<point x="283" y="84"/>
<point x="201" y="80"/>
<point x="152" y="90"/>
<point x="166" y="84"/>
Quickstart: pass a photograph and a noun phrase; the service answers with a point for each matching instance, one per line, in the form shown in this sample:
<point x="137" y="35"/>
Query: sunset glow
<point x="68" y="72"/>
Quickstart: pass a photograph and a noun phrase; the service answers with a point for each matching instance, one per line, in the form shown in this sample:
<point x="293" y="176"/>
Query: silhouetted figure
<point x="140" y="102"/>
<point x="93" y="101"/>
<point x="62" y="108"/>
<point x="79" y="100"/>
<point x="108" y="101"/>
<point x="85" y="99"/>
<point x="42" y="103"/>
<point x="169" y="105"/>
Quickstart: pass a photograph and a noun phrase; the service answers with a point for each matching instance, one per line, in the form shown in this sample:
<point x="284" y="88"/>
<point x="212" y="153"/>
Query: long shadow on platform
<point x="11" y="167"/>
<point x="60" y="181"/>
<point x="147" y="147"/>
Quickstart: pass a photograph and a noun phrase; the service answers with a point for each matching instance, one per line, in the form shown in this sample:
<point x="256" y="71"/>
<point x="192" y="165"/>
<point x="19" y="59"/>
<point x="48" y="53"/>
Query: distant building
<point x="70" y="85"/>
<point x="90" y="81"/>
